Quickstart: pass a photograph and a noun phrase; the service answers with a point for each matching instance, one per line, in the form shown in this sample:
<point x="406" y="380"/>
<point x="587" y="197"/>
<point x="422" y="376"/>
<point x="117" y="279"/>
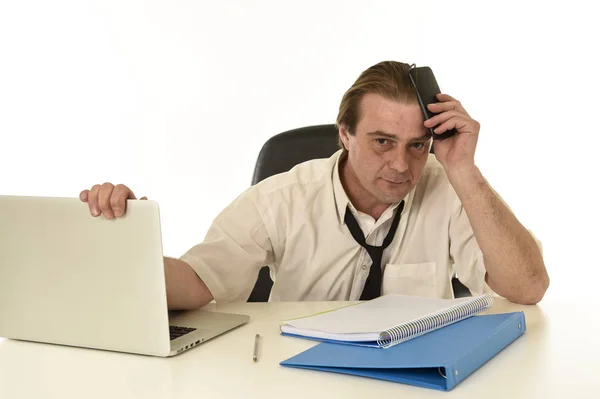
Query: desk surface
<point x="557" y="357"/>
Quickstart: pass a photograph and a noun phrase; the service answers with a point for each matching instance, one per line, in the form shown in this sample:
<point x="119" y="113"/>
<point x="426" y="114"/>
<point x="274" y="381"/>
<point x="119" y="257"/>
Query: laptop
<point x="71" y="279"/>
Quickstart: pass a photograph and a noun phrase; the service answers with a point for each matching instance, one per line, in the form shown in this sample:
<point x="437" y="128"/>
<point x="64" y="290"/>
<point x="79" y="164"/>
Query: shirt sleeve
<point x="236" y="246"/>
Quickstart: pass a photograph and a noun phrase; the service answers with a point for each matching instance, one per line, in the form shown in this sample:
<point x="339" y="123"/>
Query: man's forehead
<point x="379" y="112"/>
<point x="373" y="103"/>
<point x="393" y="126"/>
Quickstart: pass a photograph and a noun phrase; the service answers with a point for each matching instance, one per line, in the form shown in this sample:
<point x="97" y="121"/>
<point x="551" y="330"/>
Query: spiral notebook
<point x="385" y="321"/>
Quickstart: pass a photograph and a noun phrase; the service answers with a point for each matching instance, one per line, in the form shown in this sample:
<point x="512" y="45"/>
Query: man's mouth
<point x="397" y="182"/>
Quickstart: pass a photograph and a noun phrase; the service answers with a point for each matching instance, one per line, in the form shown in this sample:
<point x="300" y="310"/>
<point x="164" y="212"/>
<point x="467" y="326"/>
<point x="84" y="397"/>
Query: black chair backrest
<point x="284" y="151"/>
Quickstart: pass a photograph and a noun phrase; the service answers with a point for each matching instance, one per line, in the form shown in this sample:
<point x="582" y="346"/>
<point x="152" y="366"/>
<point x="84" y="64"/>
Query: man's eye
<point x="418" y="146"/>
<point x="382" y="141"/>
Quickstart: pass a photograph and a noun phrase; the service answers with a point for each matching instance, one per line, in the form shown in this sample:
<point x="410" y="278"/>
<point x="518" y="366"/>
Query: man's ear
<point x="344" y="133"/>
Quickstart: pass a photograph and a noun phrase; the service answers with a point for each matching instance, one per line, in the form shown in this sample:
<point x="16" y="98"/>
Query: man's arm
<point x="185" y="290"/>
<point x="513" y="260"/>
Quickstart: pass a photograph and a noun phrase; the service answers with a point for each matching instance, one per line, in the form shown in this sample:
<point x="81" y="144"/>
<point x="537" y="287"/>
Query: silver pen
<point x="255" y="355"/>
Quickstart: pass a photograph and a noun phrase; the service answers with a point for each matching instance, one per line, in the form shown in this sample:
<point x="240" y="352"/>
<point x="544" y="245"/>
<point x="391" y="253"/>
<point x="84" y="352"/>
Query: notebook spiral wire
<point x="434" y="321"/>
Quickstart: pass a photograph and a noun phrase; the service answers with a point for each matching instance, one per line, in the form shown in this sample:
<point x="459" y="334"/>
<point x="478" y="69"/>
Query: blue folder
<point x="437" y="360"/>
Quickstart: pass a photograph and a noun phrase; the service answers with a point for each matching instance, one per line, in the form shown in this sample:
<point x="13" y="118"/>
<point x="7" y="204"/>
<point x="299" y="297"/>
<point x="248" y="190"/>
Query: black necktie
<point x="372" y="288"/>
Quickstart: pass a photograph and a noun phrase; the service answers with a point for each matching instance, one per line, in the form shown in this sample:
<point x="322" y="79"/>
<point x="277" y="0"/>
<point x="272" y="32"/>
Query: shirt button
<point x="364" y="267"/>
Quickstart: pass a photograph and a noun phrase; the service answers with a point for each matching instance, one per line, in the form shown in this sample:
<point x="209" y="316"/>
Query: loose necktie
<point x="372" y="288"/>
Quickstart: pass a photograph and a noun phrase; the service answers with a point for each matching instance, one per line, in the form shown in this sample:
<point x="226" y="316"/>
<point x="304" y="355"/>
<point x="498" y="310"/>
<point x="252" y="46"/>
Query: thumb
<point x="143" y="198"/>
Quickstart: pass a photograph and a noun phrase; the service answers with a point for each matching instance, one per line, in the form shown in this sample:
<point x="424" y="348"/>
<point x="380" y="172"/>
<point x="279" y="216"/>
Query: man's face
<point x="389" y="149"/>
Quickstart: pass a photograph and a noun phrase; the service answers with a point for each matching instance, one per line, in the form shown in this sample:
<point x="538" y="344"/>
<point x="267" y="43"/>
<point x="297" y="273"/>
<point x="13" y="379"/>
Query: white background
<point x="175" y="99"/>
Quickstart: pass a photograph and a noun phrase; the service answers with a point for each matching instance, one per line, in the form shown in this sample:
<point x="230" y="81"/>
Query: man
<point x="380" y="216"/>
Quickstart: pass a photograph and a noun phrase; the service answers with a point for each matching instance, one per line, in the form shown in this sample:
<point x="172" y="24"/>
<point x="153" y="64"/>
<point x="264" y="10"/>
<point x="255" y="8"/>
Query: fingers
<point x="450" y="114"/>
<point x="83" y="196"/>
<point x="118" y="200"/>
<point x="92" y="200"/>
<point x="460" y="124"/>
<point x="108" y="199"/>
<point x="104" y="200"/>
<point x="441" y="118"/>
<point x="447" y="103"/>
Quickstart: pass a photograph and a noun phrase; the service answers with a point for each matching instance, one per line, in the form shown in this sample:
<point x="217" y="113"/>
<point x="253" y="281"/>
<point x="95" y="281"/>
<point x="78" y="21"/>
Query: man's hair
<point x="388" y="79"/>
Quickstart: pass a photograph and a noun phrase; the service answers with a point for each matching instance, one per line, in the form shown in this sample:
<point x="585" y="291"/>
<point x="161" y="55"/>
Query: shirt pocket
<point x="417" y="279"/>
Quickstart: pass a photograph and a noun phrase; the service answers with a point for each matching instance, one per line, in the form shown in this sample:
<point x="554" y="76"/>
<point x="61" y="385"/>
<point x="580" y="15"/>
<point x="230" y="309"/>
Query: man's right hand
<point x="108" y="200"/>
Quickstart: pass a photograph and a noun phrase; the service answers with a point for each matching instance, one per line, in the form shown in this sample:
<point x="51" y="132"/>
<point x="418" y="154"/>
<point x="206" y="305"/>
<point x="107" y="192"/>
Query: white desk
<point x="558" y="356"/>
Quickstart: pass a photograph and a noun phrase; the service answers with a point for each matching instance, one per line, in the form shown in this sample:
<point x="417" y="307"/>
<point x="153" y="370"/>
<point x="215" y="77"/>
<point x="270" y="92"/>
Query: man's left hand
<point x="456" y="153"/>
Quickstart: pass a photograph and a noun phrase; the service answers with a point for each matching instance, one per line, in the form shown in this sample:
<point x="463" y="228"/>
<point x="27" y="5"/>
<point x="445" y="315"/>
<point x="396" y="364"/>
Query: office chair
<point x="281" y="153"/>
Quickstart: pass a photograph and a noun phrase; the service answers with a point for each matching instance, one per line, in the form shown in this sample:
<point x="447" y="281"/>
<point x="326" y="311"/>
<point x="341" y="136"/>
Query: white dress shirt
<point x="294" y="222"/>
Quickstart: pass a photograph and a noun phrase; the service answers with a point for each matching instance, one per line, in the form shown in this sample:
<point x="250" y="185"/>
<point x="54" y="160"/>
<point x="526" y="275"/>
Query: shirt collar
<point x="341" y="198"/>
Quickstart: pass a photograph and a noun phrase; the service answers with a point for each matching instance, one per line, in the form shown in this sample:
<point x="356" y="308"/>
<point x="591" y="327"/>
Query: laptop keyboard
<point x="177" y="331"/>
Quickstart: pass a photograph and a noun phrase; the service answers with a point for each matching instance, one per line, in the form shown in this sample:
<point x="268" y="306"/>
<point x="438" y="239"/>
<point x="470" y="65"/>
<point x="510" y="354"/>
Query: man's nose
<point x="399" y="160"/>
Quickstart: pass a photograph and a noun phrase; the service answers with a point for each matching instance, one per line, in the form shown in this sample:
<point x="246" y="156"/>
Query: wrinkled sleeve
<point x="236" y="246"/>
